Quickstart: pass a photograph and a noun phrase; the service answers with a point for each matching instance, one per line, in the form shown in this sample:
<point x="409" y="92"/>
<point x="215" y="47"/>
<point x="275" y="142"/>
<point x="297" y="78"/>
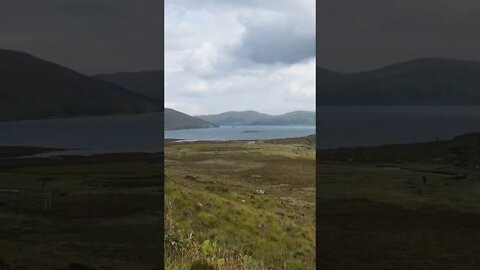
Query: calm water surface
<point x="378" y="125"/>
<point x="337" y="127"/>
<point x="224" y="133"/>
<point x="123" y="133"/>
<point x="104" y="134"/>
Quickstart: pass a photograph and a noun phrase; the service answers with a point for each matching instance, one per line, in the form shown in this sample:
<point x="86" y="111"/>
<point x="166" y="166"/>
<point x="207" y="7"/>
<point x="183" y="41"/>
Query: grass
<point x="105" y="214"/>
<point x="374" y="212"/>
<point x="211" y="189"/>
<point x="106" y="210"/>
<point x="184" y="252"/>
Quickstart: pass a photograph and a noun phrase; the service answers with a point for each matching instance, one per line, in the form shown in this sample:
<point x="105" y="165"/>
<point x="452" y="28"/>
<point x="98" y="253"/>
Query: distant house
<point x="251" y="142"/>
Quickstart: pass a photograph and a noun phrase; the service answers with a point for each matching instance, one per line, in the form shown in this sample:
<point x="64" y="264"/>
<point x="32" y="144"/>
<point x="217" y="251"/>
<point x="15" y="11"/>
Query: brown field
<point x="211" y="194"/>
<point x="106" y="212"/>
<point x="374" y="211"/>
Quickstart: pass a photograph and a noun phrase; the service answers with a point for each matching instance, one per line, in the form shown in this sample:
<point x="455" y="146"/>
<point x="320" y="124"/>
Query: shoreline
<point x="173" y="140"/>
<point x="11" y="152"/>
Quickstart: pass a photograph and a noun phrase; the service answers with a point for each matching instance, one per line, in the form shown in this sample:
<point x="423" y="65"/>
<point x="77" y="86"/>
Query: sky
<point x="228" y="55"/>
<point x="89" y="36"/>
<point x="362" y="35"/>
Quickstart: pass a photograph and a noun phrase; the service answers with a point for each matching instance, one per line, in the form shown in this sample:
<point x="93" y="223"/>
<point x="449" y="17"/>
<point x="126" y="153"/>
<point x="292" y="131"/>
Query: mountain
<point x="255" y="118"/>
<point x="234" y="118"/>
<point x="148" y="83"/>
<point x="177" y="120"/>
<point x="289" y="119"/>
<point x="426" y="81"/>
<point x="31" y="88"/>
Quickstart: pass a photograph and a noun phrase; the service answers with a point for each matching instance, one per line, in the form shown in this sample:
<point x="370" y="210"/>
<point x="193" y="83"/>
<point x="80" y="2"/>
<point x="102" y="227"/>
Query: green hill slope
<point x="291" y="118"/>
<point x="256" y="118"/>
<point x="177" y="120"/>
<point x="427" y="81"/>
<point x="148" y="83"/>
<point x="31" y="88"/>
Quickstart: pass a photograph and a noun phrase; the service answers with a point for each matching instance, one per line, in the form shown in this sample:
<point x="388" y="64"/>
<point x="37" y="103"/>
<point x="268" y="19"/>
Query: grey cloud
<point x="279" y="40"/>
<point x="288" y="36"/>
<point x="87" y="8"/>
<point x="359" y="35"/>
<point x="228" y="3"/>
<point x="253" y="46"/>
<point x="90" y="36"/>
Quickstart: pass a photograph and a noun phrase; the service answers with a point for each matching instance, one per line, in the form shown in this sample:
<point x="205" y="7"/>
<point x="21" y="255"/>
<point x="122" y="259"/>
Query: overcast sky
<point x="90" y="36"/>
<point x="360" y="35"/>
<point x="223" y="55"/>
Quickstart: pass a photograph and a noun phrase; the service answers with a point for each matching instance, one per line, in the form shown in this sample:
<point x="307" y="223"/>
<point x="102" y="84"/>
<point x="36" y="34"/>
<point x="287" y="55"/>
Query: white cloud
<point x="240" y="55"/>
<point x="196" y="87"/>
<point x="203" y="60"/>
<point x="192" y="109"/>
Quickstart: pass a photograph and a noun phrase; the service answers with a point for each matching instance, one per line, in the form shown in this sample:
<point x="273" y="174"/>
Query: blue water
<point x="380" y="125"/>
<point x="337" y="127"/>
<point x="224" y="133"/>
<point x="122" y="133"/>
<point x="88" y="135"/>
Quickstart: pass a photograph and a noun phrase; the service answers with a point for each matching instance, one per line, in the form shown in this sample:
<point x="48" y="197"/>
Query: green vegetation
<point x="105" y="213"/>
<point x="427" y="81"/>
<point x="177" y="120"/>
<point x="376" y="209"/>
<point x="234" y="118"/>
<point x="32" y="88"/>
<point x="253" y="203"/>
<point x="256" y="118"/>
<point x="183" y="251"/>
<point x="148" y="83"/>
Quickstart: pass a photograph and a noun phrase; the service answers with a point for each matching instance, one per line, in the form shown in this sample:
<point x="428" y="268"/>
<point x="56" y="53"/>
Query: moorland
<point x="407" y="206"/>
<point x="105" y="211"/>
<point x="240" y="205"/>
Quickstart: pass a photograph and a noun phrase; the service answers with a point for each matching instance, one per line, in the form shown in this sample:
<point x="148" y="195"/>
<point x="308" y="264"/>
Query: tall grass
<point x="184" y="252"/>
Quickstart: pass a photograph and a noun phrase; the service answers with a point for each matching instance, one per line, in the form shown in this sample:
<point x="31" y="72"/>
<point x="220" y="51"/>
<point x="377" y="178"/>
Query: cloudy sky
<point x="90" y="36"/>
<point x="223" y="55"/>
<point x="360" y="35"/>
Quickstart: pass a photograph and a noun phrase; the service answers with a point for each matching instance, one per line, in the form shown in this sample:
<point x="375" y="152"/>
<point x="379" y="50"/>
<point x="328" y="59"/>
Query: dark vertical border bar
<point x="317" y="136"/>
<point x="162" y="184"/>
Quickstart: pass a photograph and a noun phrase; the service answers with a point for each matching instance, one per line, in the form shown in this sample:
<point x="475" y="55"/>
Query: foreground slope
<point x="31" y="88"/>
<point x="178" y="120"/>
<point x="426" y="81"/>
<point x="255" y="202"/>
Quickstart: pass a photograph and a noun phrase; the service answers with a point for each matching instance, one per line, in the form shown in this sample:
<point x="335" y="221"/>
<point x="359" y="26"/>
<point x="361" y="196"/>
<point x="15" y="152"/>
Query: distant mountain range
<point x="148" y="83"/>
<point x="178" y="120"/>
<point x="255" y="118"/>
<point x="426" y="81"/>
<point x="31" y="88"/>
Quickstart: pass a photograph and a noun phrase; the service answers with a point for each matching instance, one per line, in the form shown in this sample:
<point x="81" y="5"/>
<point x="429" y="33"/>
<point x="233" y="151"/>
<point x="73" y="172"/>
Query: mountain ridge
<point x="33" y="88"/>
<point x="251" y="117"/>
<point x="174" y="120"/>
<point x="149" y="82"/>
<point x="422" y="81"/>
